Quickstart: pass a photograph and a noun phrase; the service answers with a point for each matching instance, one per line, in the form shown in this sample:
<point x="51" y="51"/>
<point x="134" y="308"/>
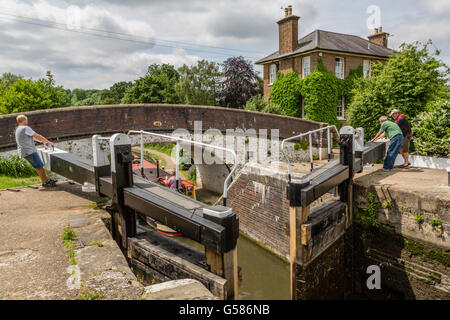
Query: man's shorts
<point x="35" y="160"/>
<point x="406" y="143"/>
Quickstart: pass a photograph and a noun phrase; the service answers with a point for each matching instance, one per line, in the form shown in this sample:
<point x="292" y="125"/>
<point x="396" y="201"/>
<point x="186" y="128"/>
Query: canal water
<point x="264" y="275"/>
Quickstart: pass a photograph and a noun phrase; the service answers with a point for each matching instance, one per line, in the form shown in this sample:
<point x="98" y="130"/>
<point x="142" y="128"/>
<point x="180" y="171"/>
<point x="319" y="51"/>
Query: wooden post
<point x="226" y="266"/>
<point x="297" y="216"/>
<point x="293" y="212"/>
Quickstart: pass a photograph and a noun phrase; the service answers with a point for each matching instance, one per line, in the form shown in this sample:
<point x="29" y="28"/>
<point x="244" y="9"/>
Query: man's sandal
<point x="405" y="166"/>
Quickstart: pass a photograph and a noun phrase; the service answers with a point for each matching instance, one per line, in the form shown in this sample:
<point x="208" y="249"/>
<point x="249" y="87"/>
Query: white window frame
<point x="339" y="67"/>
<point x="306" y="66"/>
<point x="367" y="69"/>
<point x="341" y="107"/>
<point x="272" y="73"/>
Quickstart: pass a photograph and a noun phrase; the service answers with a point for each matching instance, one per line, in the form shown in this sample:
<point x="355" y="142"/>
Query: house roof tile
<point x="332" y="41"/>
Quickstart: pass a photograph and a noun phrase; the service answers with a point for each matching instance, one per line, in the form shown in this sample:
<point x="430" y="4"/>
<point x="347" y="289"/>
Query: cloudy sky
<point x="95" y="43"/>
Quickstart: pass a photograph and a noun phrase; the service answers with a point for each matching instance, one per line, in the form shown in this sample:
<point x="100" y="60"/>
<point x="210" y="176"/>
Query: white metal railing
<point x="177" y="150"/>
<point x="309" y="134"/>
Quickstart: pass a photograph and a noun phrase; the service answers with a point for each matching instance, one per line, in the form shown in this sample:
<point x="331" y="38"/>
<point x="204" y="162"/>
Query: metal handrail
<point x="309" y="133"/>
<point x="227" y="179"/>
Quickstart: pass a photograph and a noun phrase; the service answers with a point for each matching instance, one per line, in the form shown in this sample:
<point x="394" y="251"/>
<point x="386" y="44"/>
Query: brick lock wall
<point x="263" y="211"/>
<point x="67" y="123"/>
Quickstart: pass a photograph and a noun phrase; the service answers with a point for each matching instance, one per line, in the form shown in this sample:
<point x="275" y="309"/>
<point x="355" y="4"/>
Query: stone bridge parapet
<point x="77" y="122"/>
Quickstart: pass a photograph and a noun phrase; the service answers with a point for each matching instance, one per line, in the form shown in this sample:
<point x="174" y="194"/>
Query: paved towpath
<point x="33" y="261"/>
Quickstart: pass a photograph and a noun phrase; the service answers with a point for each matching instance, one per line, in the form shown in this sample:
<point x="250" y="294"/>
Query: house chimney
<point x="288" y="31"/>
<point x="379" y="37"/>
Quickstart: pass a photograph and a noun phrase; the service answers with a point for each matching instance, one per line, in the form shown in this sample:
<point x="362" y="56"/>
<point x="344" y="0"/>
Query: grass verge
<point x="12" y="182"/>
<point x="161" y="147"/>
<point x="67" y="238"/>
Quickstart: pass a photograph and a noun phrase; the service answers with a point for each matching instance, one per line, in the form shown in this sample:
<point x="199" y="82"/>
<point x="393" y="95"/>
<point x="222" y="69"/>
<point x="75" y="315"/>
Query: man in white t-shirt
<point x="25" y="137"/>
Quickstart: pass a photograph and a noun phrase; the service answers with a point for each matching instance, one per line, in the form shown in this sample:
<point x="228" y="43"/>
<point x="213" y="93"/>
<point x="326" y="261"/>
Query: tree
<point x="432" y="130"/>
<point x="117" y="91"/>
<point x="8" y="79"/>
<point x="198" y="84"/>
<point x="157" y="86"/>
<point x="408" y="82"/>
<point x="27" y="95"/>
<point x="240" y="83"/>
<point x="54" y="93"/>
<point x="256" y="103"/>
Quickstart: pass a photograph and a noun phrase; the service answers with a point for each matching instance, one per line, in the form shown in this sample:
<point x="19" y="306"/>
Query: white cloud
<point x="437" y="6"/>
<point x="249" y="26"/>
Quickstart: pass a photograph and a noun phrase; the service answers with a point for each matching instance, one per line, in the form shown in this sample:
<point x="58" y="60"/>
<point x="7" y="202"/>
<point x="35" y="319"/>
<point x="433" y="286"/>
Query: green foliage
<point x="320" y="90"/>
<point x="256" y="103"/>
<point x="69" y="234"/>
<point x="303" y="144"/>
<point x="433" y="278"/>
<point x="408" y="82"/>
<point x="7" y="79"/>
<point x="185" y="160"/>
<point x="11" y="182"/>
<point x="286" y="94"/>
<point x="198" y="84"/>
<point x="157" y="86"/>
<point x="276" y="109"/>
<point x="27" y="95"/>
<point x="368" y="216"/>
<point x="439" y="255"/>
<point x="161" y="147"/>
<point x="16" y="167"/>
<point x="90" y="295"/>
<point x="345" y="86"/>
<point x="67" y="238"/>
<point x="80" y="97"/>
<point x="387" y="203"/>
<point x="436" y="224"/>
<point x="419" y="218"/>
<point x="191" y="174"/>
<point x="413" y="247"/>
<point x="432" y="130"/>
<point x="117" y="91"/>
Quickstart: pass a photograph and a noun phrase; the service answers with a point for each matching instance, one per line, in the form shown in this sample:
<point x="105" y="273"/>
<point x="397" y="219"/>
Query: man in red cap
<point x="402" y="122"/>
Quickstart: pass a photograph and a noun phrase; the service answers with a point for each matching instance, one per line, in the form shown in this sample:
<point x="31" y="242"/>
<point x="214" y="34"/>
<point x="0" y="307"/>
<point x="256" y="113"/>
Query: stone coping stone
<point x="184" y="289"/>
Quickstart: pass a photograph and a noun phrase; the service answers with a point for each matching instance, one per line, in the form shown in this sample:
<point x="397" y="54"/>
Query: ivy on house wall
<point x="286" y="93"/>
<point x="320" y="90"/>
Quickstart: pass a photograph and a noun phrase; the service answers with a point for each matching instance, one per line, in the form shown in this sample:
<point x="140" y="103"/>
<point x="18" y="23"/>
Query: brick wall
<point x="288" y="34"/>
<point x="286" y="65"/>
<point x="258" y="196"/>
<point x="263" y="210"/>
<point x="67" y="123"/>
